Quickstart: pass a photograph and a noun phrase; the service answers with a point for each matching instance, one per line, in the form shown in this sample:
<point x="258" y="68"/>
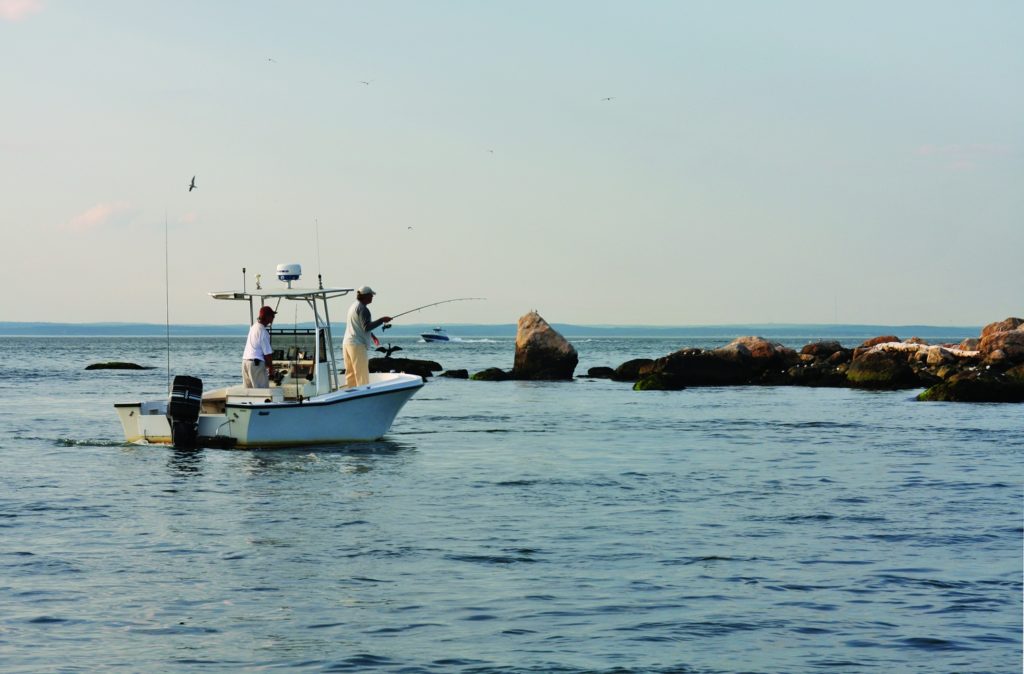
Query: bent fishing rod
<point x="432" y="304"/>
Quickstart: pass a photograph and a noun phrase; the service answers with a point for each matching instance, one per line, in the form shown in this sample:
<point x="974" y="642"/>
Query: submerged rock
<point x="658" y="381"/>
<point x="115" y="365"/>
<point x="541" y="352"/>
<point x="491" y="374"/>
<point x="601" y="373"/>
<point x="455" y="374"/>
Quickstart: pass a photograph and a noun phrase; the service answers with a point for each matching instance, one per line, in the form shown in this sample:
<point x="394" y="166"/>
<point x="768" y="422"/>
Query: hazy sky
<point x="756" y="162"/>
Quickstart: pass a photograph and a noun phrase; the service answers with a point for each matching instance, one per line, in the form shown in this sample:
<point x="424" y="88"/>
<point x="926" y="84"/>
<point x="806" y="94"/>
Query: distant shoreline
<point x="767" y="330"/>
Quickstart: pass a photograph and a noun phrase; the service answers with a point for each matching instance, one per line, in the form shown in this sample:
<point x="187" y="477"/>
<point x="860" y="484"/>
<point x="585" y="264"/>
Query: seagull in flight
<point x="365" y="82"/>
<point x="608" y="98"/>
<point x="192" y="186"/>
<point x="271" y="60"/>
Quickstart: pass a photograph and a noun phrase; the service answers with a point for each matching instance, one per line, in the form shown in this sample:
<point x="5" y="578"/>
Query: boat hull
<point x="434" y="338"/>
<point x="356" y="414"/>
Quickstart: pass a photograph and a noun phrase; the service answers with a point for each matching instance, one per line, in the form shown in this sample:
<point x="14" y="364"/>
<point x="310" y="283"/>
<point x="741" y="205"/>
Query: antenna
<point x="319" y="269"/>
<point x="167" y="299"/>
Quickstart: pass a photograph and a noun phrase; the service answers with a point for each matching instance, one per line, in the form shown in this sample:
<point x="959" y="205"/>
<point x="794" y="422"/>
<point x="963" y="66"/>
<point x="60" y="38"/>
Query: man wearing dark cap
<point x="257" y="364"/>
<point x="358" y="325"/>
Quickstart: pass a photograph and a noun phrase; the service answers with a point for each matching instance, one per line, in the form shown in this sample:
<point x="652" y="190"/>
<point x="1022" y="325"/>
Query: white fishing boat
<point x="306" y="404"/>
<point x="439" y="335"/>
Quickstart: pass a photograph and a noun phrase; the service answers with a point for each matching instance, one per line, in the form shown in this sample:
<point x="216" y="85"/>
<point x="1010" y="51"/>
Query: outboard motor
<point x="183" y="411"/>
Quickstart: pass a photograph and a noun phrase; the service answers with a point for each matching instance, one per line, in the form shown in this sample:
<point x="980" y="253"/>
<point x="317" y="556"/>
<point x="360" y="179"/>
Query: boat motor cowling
<point x="183" y="411"/>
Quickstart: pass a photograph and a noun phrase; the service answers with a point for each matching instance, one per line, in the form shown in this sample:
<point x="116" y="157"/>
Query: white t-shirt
<point x="355" y="325"/>
<point x="257" y="346"/>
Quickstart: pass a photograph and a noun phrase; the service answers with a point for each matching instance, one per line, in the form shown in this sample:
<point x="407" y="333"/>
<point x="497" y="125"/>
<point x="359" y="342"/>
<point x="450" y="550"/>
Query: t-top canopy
<point x="284" y="293"/>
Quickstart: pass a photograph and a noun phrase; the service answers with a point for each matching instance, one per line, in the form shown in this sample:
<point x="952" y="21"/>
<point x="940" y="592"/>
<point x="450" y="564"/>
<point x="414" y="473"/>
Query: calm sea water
<point x="508" y="527"/>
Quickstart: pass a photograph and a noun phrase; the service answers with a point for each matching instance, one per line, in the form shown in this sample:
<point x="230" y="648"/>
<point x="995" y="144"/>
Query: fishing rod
<point x="433" y="304"/>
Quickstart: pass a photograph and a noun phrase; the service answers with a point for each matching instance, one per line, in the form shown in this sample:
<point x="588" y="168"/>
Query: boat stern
<point x="144" y="421"/>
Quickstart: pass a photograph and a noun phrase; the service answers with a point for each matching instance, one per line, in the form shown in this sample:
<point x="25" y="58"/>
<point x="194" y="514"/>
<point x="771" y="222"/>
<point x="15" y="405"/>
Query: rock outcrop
<point x="991" y="372"/>
<point x="979" y="385"/>
<point x="541" y="352"/>
<point x="692" y="367"/>
<point x="424" y="368"/>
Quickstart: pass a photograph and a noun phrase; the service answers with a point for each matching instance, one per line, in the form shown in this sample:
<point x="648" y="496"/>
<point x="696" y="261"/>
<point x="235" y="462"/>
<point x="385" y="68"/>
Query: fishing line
<point x="432" y="304"/>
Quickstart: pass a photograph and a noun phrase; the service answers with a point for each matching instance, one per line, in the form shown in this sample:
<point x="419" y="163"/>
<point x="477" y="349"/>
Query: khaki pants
<point x="255" y="376"/>
<point x="357" y="365"/>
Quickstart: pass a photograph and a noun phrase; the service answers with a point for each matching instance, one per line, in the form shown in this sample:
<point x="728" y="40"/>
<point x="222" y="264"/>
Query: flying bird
<point x="271" y="60"/>
<point x="608" y="98"/>
<point x="192" y="186"/>
<point x="365" y="82"/>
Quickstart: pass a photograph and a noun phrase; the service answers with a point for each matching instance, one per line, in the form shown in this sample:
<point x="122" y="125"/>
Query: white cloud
<point x="99" y="216"/>
<point x="16" y="10"/>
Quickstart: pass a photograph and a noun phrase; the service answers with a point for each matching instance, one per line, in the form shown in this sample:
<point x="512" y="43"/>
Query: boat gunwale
<point x="346" y="396"/>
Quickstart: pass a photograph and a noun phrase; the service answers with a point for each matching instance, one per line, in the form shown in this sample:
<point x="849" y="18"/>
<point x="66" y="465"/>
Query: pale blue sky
<point x="758" y="162"/>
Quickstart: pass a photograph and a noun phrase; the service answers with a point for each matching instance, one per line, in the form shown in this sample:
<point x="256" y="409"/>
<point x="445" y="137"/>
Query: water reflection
<point x="185" y="462"/>
<point x="355" y="457"/>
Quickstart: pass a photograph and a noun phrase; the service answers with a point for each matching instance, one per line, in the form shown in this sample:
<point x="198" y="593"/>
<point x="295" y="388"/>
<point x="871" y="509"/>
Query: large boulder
<point x="757" y="351"/>
<point x="765" y="361"/>
<point x="695" y="367"/>
<point x="1011" y="323"/>
<point x="541" y="352"/>
<point x="632" y="370"/>
<point x="869" y="344"/>
<point x="1002" y="347"/>
<point x="882" y="369"/>
<point x="823" y="349"/>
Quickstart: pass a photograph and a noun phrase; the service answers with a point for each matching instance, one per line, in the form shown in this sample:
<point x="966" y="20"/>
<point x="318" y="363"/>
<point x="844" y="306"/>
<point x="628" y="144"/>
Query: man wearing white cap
<point x="357" y="338"/>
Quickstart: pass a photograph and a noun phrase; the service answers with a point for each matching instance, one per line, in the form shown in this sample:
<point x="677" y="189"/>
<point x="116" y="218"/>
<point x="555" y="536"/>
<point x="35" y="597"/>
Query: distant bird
<point x="608" y="98"/>
<point x="365" y="82"/>
<point x="409" y="227"/>
<point x="271" y="60"/>
<point x="193" y="185"/>
<point x="491" y="151"/>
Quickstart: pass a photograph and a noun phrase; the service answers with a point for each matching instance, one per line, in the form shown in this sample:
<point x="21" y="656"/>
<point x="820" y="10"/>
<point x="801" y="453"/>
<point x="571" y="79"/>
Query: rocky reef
<point x="987" y="369"/>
